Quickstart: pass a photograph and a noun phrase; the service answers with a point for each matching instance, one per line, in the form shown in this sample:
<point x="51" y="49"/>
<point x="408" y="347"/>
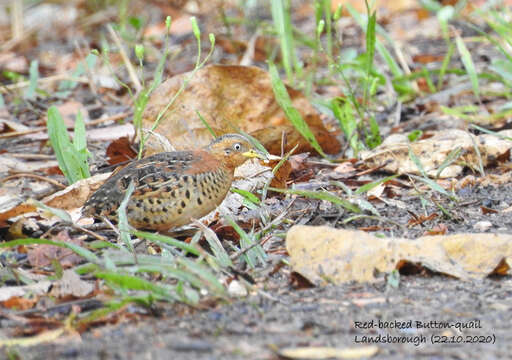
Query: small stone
<point x="236" y="289"/>
<point x="482" y="226"/>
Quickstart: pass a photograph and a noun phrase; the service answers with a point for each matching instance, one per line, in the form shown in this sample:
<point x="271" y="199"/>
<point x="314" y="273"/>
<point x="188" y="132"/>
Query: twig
<point x="403" y="63"/>
<point x="243" y="251"/>
<point x="89" y="232"/>
<point x="43" y="128"/>
<point x="248" y="57"/>
<point x="90" y="75"/>
<point x="17" y="19"/>
<point x="131" y="70"/>
<point x="24" y="132"/>
<point x="4" y="89"/>
<point x="38" y="177"/>
<point x="27" y="156"/>
<point x="114" y="117"/>
<point x="107" y="221"/>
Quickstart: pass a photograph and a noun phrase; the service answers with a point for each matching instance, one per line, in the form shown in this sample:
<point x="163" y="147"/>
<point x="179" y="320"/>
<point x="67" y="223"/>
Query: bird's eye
<point x="237" y="146"/>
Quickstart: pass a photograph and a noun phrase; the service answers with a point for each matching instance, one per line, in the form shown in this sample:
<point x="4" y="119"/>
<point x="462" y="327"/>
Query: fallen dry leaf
<point x="12" y="206"/>
<point x="75" y="195"/>
<point x="320" y="352"/>
<point x="45" y="337"/>
<point x="282" y="174"/>
<point x="393" y="154"/>
<point x="120" y="150"/>
<point x="38" y="288"/>
<point x="323" y="254"/>
<point x="18" y="303"/>
<point x="42" y="255"/>
<point x="69" y="111"/>
<point x="230" y="98"/>
<point x="110" y="133"/>
<point x="71" y="284"/>
<point x="389" y="6"/>
<point x="10" y="164"/>
<point x="7" y="126"/>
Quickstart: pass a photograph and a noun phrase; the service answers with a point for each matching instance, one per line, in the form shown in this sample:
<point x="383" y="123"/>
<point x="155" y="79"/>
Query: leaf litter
<point x="454" y="182"/>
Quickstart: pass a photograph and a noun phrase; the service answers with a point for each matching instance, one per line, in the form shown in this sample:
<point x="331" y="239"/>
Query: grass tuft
<point x="72" y="157"/>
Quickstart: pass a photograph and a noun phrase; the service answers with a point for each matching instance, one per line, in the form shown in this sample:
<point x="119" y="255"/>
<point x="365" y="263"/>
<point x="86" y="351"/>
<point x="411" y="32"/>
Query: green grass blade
<point x="444" y="65"/>
<point x="130" y="282"/>
<point x="249" y="196"/>
<point x="322" y="195"/>
<point x="490" y="132"/>
<point x="373" y="139"/>
<point x="452" y="156"/>
<point x="124" y="227"/>
<point x="86" y="254"/>
<point x="284" y="101"/>
<point x="282" y="22"/>
<point x="80" y="145"/>
<point x="67" y="156"/>
<point x="344" y="112"/>
<point x="33" y="78"/>
<point x="218" y="250"/>
<point x="62" y="214"/>
<point x="417" y="162"/>
<point x="166" y="240"/>
<point x="254" y="255"/>
<point x="60" y="142"/>
<point x="204" y="273"/>
<point x="370" y="53"/>
<point x="205" y="123"/>
<point x="434" y="186"/>
<point x="367" y="187"/>
<point x="467" y="61"/>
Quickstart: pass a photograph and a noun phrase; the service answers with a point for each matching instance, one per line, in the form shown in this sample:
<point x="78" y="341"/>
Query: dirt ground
<point x="440" y="317"/>
<point x="255" y="327"/>
<point x="428" y="316"/>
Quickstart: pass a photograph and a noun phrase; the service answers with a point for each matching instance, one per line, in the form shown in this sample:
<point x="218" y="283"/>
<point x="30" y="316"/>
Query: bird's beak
<point x="254" y="154"/>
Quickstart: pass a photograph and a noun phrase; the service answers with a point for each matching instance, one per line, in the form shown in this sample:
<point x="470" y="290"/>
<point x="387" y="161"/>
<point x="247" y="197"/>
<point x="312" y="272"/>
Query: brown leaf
<point x="10" y="61"/>
<point x="120" y="150"/>
<point x="282" y="175"/>
<point x="439" y="229"/>
<point x="42" y="255"/>
<point x="37" y="288"/>
<point x="19" y="303"/>
<point x="71" y="285"/>
<point x="75" y="195"/>
<point x="70" y="109"/>
<point x="230" y="98"/>
<point x="393" y="154"/>
<point x="11" y="207"/>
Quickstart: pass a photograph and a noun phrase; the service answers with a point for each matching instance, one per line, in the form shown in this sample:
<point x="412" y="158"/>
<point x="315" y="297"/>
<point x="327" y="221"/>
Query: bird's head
<point x="233" y="150"/>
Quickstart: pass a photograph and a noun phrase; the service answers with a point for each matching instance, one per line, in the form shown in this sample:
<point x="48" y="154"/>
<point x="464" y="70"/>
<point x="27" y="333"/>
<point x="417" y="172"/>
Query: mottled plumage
<point x="171" y="188"/>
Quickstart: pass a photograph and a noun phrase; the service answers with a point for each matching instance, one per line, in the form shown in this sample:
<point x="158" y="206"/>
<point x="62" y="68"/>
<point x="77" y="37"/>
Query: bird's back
<point x="171" y="188"/>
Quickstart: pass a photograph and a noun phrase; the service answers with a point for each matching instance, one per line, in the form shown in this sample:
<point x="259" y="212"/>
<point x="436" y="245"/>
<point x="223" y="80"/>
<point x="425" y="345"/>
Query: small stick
<point x="89" y="232"/>
<point x="243" y="251"/>
<point x="43" y="128"/>
<point x="131" y="71"/>
<point x="17" y="19"/>
<point x="38" y="177"/>
<point x="6" y="88"/>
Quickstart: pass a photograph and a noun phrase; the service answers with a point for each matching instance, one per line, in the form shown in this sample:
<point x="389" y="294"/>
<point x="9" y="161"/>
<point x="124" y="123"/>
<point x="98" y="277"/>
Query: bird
<point x="171" y="189"/>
